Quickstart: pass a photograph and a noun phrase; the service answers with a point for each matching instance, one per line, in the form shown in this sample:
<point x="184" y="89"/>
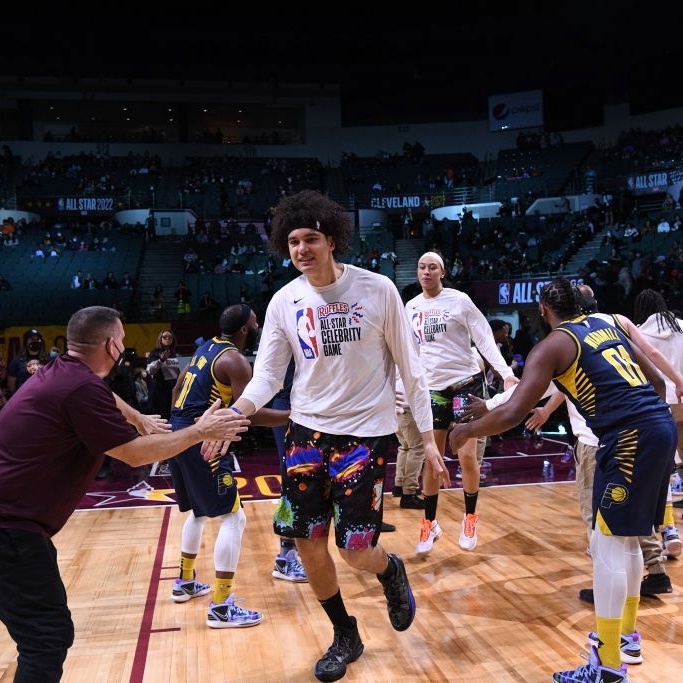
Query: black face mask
<point x="118" y="362"/>
<point x="34" y="347"/>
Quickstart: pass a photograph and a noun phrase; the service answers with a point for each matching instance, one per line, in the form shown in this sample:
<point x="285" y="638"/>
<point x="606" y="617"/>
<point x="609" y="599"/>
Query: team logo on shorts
<point x="225" y="482"/>
<point x="614" y="494"/>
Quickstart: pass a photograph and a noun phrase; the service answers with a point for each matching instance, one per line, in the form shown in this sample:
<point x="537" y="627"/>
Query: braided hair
<point x="562" y="297"/>
<point x="650" y="302"/>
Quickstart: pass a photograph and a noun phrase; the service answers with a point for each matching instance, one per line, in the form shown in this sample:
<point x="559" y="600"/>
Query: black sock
<point x="471" y="502"/>
<point x="430" y="506"/>
<point x="336" y="611"/>
<point x="388" y="572"/>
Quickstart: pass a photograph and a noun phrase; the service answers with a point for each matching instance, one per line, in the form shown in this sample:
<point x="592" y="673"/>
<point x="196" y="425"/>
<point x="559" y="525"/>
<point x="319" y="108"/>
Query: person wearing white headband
<point x="446" y="324"/>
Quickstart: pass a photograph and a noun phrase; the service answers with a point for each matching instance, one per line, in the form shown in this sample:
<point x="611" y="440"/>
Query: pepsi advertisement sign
<point x="516" y="110"/>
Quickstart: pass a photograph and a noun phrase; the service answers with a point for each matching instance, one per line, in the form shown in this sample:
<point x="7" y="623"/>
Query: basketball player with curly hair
<point x="346" y="330"/>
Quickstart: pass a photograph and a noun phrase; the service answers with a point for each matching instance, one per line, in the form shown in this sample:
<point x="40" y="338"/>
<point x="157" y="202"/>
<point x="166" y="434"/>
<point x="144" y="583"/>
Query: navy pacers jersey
<point x="605" y="381"/>
<point x="198" y="384"/>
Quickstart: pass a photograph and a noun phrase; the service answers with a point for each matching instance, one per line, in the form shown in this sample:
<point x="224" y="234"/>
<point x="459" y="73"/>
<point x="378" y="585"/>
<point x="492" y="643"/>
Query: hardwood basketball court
<point x="507" y="612"/>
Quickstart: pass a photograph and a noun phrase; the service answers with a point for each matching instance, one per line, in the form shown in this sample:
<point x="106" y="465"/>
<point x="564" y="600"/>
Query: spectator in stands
<point x="127" y="281"/>
<point x="222" y="267"/>
<point x="456" y="270"/>
<point x="625" y="279"/>
<point x="631" y="233"/>
<point x="158" y="302"/>
<point x="110" y="282"/>
<point x="669" y="203"/>
<point x="636" y="265"/>
<point x="89" y="282"/>
<point x="59" y="240"/>
<point x="237" y="266"/>
<point x="163" y="368"/>
<point x="27" y="361"/>
<point x="246" y="295"/>
<point x="122" y="383"/>
<point x="151" y="227"/>
<point x="501" y="333"/>
<point x="663" y="225"/>
<point x="182" y="296"/>
<point x="190" y="260"/>
<point x="38" y="252"/>
<point x="524" y="338"/>
<point x="9" y="237"/>
<point x="407" y="222"/>
<point x="141" y="388"/>
<point x="207" y="304"/>
<point x="77" y="281"/>
<point x="266" y="286"/>
<point x="106" y="245"/>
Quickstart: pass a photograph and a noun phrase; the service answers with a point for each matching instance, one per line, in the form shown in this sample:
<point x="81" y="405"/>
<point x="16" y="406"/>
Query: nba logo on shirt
<point x="418" y="326"/>
<point x="305" y="329"/>
<point x="504" y="293"/>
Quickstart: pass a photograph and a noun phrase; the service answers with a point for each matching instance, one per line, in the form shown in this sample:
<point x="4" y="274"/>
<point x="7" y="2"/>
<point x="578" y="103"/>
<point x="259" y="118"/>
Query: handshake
<point x="220" y="427"/>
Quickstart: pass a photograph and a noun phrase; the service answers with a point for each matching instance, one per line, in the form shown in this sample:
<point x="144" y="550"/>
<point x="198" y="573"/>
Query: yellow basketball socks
<point x="609" y="634"/>
<point x="222" y="589"/>
<point x="630" y="615"/>
<point x="187" y="568"/>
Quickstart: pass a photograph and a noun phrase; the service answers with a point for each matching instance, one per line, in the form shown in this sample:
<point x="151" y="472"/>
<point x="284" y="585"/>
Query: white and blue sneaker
<point x="288" y="567"/>
<point x="592" y="672"/>
<point x="186" y="590"/>
<point x="228" y="615"/>
<point x="630" y="647"/>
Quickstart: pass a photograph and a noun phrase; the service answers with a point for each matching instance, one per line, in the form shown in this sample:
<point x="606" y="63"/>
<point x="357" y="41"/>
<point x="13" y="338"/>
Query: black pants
<point x="33" y="605"/>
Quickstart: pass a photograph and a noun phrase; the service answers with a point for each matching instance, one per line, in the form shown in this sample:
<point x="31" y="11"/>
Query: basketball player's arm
<point x="477" y="407"/>
<point x="238" y="370"/>
<point x="541" y="414"/>
<point x="659" y="360"/>
<point x="234" y="369"/>
<point x="546" y="360"/>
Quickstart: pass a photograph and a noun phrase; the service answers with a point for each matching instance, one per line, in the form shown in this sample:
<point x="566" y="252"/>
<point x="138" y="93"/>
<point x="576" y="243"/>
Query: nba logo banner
<point x="504" y="293"/>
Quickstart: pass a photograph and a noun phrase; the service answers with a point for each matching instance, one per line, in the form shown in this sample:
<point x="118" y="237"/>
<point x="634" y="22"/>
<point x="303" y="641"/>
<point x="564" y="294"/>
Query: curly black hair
<point x="310" y="209"/>
<point x="562" y="296"/>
